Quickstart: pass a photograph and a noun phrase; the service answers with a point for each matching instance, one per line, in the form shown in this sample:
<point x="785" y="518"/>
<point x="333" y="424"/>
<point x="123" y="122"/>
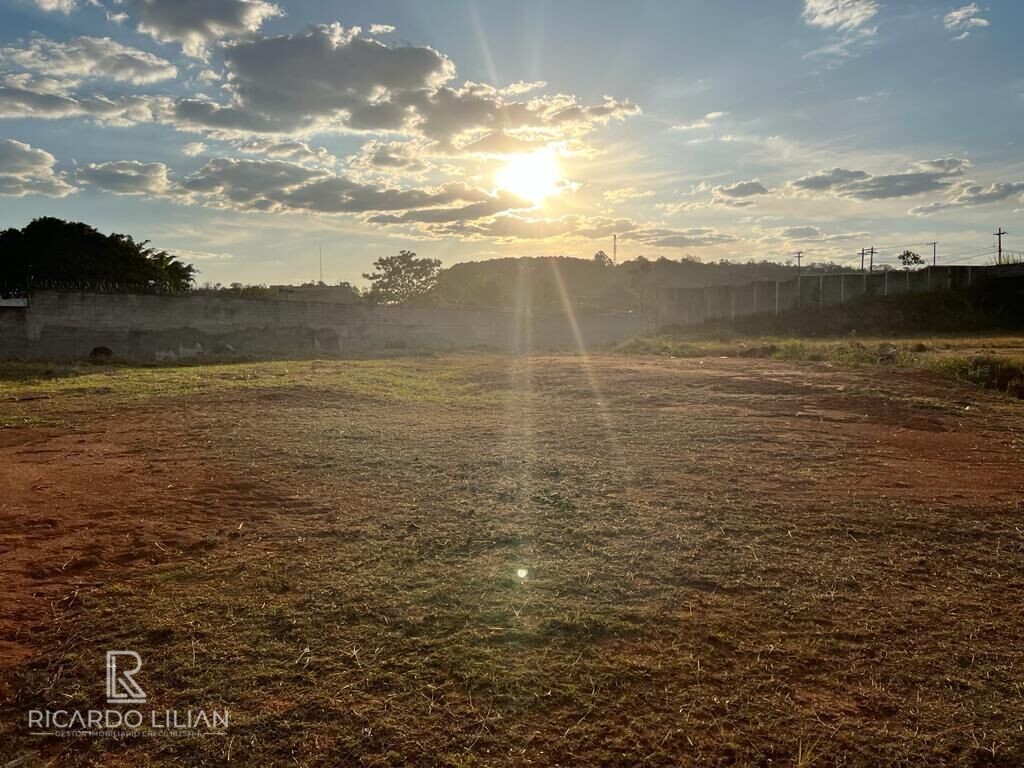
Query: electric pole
<point x="862" y="252"/>
<point x="615" y="249"/>
<point x="871" y="264"/>
<point x="999" y="234"/>
<point x="935" y="253"/>
<point x="799" y="255"/>
<point x="321" y="263"/>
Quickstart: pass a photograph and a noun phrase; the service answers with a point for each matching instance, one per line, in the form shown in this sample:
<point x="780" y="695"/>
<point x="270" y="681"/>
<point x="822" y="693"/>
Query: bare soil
<point x="548" y="561"/>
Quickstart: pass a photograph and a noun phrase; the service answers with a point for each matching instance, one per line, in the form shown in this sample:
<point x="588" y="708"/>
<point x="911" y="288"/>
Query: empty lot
<point x="477" y="560"/>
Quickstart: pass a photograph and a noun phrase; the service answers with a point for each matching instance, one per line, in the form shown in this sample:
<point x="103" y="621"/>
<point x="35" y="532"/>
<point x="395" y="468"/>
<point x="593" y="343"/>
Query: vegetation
<point x="992" y="362"/>
<point x="594" y="285"/>
<point x="50" y="250"/>
<point x="402" y="278"/>
<point x="616" y="564"/>
<point x="910" y="259"/>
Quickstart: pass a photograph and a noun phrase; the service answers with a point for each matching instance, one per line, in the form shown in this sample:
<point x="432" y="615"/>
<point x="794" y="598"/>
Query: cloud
<point x="627" y="193"/>
<point x="86" y="57"/>
<point x="26" y="170"/>
<point x="390" y="157"/>
<point x="127" y="177"/>
<point x="736" y="195"/>
<point x="511" y="227"/>
<point x="195" y="24"/>
<point x="60" y="6"/>
<point x="743" y="189"/>
<point x="381" y="29"/>
<point x="809" y="234"/>
<point x="26" y="96"/>
<point x="501" y="143"/>
<point x="926" y="176"/>
<point x="848" y="20"/>
<point x="330" y="70"/>
<point x="330" y="78"/>
<point x="189" y="256"/>
<point x="277" y="185"/>
<point x="843" y="15"/>
<point x="968" y="194"/>
<point x="296" y="151"/>
<point x="498" y="204"/>
<point x="701" y="124"/>
<point x="963" y="20"/>
<point x="193" y="149"/>
<point x="695" y="237"/>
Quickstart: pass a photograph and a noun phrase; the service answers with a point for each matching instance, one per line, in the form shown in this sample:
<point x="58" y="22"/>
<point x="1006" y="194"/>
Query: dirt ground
<point x="478" y="560"/>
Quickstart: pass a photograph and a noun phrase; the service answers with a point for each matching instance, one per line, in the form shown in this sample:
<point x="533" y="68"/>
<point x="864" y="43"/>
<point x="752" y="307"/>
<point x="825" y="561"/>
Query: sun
<point x="533" y="177"/>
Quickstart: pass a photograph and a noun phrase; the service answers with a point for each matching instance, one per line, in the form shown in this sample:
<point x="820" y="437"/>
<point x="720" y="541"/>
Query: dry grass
<point x="726" y="563"/>
<point x="993" y="362"/>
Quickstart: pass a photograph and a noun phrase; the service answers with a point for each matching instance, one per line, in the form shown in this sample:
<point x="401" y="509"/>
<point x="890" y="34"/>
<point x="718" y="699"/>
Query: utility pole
<point x="935" y="253"/>
<point x="871" y="264"/>
<point x="321" y="263"/>
<point x="862" y="252"/>
<point x="799" y="255"/>
<point x="615" y="249"/>
<point x="1000" y="234"/>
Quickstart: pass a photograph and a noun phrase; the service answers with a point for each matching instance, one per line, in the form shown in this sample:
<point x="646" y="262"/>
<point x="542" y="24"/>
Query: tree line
<point x="52" y="251"/>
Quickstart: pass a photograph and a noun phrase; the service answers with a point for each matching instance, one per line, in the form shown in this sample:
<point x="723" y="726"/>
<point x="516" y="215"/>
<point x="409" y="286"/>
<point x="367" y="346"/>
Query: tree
<point x="50" y="250"/>
<point x="603" y="259"/>
<point x="910" y="259"/>
<point x="398" y="279"/>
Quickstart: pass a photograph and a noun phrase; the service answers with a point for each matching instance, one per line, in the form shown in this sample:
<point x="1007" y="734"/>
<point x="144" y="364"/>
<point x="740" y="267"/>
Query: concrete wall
<point x="687" y="306"/>
<point x="69" y="325"/>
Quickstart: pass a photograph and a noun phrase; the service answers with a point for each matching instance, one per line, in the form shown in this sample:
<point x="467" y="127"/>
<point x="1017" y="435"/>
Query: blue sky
<point x="245" y="133"/>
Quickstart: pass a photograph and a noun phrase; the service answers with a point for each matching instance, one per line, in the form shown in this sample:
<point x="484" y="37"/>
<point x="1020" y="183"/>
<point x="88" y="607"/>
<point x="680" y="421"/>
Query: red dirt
<point x="808" y="477"/>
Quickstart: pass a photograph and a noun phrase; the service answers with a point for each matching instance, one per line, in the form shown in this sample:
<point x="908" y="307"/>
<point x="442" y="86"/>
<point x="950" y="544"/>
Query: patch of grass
<point x="1005" y="374"/>
<point x="41" y="393"/>
<point x="953" y="357"/>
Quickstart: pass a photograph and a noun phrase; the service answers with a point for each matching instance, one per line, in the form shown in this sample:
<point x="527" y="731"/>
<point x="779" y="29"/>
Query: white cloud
<point x="26" y="170"/>
<point x="84" y="57"/>
<point x="195" y="24"/>
<point x="189" y="256"/>
<point x="60" y="6"/>
<point x="843" y="15"/>
<point x="127" y="177"/>
<point x="381" y="29"/>
<point x="702" y="123"/>
<point x="193" y="149"/>
<point x="848" y="20"/>
<point x="963" y="20"/>
<point x="627" y="193"/>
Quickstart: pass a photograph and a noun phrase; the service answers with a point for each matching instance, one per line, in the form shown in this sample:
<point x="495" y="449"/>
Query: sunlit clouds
<point x="475" y="135"/>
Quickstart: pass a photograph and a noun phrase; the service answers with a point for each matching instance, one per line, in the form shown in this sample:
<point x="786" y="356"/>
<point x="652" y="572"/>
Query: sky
<point x="248" y="136"/>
